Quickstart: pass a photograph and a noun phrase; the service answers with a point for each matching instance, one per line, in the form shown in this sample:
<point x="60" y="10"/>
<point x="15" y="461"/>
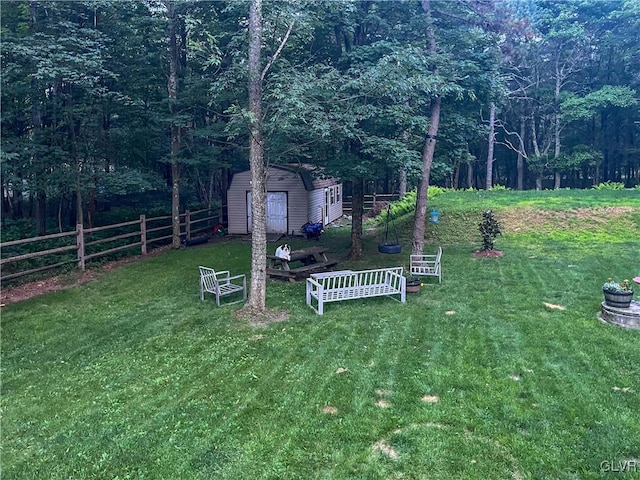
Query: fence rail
<point x="369" y="201"/>
<point x="16" y="263"/>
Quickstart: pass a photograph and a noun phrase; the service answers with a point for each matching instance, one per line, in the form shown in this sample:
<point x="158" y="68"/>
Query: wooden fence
<point x="369" y="201"/>
<point x="85" y="244"/>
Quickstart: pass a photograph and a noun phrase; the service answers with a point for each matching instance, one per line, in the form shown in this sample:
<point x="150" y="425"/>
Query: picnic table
<point x="301" y="264"/>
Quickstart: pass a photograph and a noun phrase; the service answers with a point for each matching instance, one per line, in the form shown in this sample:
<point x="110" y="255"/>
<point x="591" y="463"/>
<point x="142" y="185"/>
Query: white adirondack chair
<point x="427" y="265"/>
<point x="222" y="284"/>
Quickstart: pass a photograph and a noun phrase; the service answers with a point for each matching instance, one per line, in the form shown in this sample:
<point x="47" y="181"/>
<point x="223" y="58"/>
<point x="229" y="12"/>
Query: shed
<point x="296" y="194"/>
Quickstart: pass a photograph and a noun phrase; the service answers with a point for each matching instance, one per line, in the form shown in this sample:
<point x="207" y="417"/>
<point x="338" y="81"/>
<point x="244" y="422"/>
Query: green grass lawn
<point x="503" y="371"/>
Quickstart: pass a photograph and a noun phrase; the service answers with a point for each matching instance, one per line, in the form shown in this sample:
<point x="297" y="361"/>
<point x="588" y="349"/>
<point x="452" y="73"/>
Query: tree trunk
<point x="357" y="206"/>
<point x="456" y="175"/>
<point x="38" y="195"/>
<point x="402" y="184"/>
<point x="536" y="150"/>
<point x="520" y="162"/>
<point x="172" y="88"/>
<point x="556" y="131"/>
<point x="41" y="213"/>
<point x="417" y="243"/>
<point x="257" y="292"/>
<point x="492" y="138"/>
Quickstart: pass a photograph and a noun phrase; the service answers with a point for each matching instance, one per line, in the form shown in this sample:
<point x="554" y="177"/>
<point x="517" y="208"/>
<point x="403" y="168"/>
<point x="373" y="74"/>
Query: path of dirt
<point x="68" y="280"/>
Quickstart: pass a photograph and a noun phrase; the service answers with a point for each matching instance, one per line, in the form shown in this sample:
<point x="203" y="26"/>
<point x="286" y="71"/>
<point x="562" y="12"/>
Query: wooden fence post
<point x="143" y="234"/>
<point x="80" y="244"/>
<point x="187" y="221"/>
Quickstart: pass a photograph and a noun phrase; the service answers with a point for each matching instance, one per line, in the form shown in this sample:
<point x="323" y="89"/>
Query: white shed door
<point x="276" y="212"/>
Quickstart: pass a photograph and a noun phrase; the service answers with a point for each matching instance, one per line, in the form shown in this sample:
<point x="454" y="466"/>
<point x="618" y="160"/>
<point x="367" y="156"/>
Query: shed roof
<point x="313" y="177"/>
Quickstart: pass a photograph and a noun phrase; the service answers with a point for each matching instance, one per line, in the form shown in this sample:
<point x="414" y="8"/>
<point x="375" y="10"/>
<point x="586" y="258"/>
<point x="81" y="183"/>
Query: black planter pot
<point x="413" y="286"/>
<point x="618" y="300"/>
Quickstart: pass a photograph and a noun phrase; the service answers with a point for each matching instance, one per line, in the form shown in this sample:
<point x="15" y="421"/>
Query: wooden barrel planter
<point x="618" y="299"/>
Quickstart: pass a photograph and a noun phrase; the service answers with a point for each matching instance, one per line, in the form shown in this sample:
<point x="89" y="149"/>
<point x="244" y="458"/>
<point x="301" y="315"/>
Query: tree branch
<point x="507" y="143"/>
<point x="275" y="55"/>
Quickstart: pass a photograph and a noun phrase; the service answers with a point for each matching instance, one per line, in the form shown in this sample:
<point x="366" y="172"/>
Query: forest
<point x="148" y="102"/>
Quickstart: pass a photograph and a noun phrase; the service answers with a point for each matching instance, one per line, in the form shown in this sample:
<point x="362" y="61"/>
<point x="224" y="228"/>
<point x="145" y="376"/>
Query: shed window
<point x="337" y="193"/>
<point x="333" y="196"/>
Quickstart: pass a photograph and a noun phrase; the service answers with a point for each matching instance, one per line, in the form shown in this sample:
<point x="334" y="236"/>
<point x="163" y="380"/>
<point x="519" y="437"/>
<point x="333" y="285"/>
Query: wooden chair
<point x="221" y="284"/>
<point x="427" y="265"/>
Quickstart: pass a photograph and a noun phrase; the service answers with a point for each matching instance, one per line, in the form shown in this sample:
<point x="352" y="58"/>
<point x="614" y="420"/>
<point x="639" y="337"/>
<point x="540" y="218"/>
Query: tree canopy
<point x="87" y="115"/>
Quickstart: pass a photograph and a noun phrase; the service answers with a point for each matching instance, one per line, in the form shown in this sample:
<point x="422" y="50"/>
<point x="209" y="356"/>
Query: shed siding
<point x="302" y="206"/>
<point x="237" y="203"/>
<point x="316" y="204"/>
<point x="335" y="209"/>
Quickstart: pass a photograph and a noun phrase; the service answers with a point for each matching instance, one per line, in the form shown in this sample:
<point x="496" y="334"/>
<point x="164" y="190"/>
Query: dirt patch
<point x="527" y="219"/>
<point x="261" y="319"/>
<point x="67" y="280"/>
<point x="53" y="284"/>
<point x="384" y="448"/>
<point x="487" y="253"/>
<point x="553" y="306"/>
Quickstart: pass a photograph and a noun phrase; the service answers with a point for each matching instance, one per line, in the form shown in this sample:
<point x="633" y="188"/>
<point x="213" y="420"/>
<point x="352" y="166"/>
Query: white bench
<point x="426" y="265"/>
<point x="350" y="285"/>
<point x="222" y="284"/>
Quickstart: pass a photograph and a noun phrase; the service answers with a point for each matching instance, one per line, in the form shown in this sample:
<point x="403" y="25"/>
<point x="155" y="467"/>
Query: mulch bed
<point x="67" y="280"/>
<point x="487" y="253"/>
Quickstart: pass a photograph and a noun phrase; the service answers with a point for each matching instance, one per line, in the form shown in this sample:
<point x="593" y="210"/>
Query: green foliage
<point x="582" y="108"/>
<point x="407" y="204"/>
<point x="84" y="91"/>
<point x="609" y="185"/>
<point x="489" y="229"/>
<point x="612" y="286"/>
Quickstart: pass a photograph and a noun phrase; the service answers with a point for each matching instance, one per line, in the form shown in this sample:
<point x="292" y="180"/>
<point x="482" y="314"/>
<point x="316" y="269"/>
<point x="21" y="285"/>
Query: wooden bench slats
<point x="315" y="266"/>
<point x="314" y="260"/>
<point x="301" y="272"/>
<point x="349" y="285"/>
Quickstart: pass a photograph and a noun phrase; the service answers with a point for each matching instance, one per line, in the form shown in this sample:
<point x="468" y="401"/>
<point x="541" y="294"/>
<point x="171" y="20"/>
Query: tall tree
<point x="257" y="291"/>
<point x="256" y="304"/>
<point x="172" y="89"/>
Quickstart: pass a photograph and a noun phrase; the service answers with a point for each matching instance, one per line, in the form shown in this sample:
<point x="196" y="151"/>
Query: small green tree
<point x="489" y="229"/>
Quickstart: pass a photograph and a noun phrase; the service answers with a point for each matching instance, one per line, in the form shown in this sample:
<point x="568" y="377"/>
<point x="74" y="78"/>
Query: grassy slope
<point x="132" y="377"/>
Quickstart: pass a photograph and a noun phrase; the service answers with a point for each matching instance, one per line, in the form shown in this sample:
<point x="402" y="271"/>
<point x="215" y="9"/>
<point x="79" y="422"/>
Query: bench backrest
<point x="344" y="280"/>
<point x="426" y="264"/>
<point x="208" y="279"/>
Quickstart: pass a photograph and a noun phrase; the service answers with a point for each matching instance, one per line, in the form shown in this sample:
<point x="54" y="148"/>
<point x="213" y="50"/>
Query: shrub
<point x="609" y="186"/>
<point x="489" y="229"/>
<point x="408" y="203"/>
